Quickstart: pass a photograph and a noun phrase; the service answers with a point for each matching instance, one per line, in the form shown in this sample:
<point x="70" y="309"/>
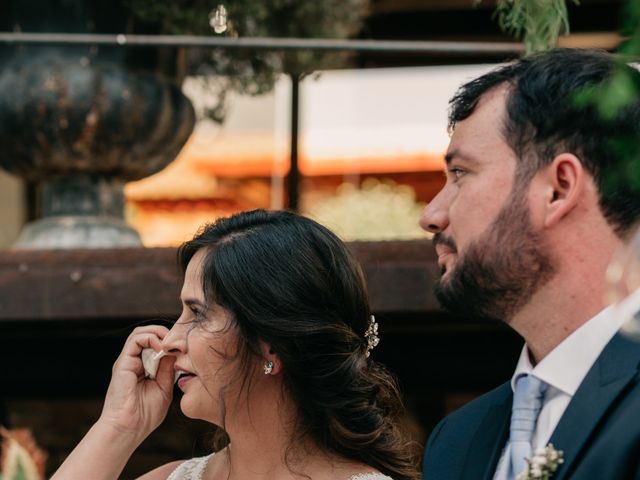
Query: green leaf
<point x="626" y="172"/>
<point x="20" y="473"/>
<point x="538" y="22"/>
<point x="619" y="92"/>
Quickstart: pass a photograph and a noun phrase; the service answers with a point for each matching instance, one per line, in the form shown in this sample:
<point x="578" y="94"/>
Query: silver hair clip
<point x="371" y="335"/>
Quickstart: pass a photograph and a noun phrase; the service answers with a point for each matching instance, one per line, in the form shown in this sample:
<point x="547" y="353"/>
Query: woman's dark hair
<point x="551" y="107"/>
<point x="290" y="282"/>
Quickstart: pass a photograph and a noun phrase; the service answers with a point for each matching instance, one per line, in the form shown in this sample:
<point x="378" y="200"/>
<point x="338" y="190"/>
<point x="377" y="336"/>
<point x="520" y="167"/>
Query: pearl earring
<point x="268" y="367"/>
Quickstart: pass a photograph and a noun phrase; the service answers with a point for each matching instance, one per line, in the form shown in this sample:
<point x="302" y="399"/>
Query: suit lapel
<point x="614" y="369"/>
<point x="489" y="440"/>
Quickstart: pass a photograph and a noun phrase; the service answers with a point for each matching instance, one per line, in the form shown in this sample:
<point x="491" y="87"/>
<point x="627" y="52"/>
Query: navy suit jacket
<point x="599" y="431"/>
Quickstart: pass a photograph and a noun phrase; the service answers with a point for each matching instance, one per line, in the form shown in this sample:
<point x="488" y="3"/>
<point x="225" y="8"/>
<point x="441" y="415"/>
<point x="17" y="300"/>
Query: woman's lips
<point x="183" y="377"/>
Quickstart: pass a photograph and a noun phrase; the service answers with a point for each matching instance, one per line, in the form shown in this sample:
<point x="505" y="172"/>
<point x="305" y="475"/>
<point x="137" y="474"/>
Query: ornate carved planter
<point x="80" y="131"/>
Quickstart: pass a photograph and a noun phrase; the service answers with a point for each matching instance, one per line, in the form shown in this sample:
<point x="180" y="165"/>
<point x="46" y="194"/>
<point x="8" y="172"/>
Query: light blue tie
<point x="527" y="402"/>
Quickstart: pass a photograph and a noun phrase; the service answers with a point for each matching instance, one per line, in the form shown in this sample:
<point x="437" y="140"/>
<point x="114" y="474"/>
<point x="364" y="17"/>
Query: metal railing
<point x="264" y="43"/>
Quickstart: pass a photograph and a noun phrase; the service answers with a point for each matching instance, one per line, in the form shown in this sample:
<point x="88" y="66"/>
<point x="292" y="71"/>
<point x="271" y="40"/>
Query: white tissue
<point x="150" y="361"/>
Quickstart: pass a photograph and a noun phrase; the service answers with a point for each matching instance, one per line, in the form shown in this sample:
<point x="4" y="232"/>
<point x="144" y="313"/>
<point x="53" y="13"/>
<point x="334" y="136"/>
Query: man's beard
<point x="499" y="272"/>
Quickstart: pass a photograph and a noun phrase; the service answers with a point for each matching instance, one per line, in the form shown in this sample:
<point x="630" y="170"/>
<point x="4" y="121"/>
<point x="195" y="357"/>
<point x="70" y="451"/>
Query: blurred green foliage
<point x="539" y="23"/>
<point x="253" y="72"/>
<point x="18" y="474"/>
<point x="621" y="91"/>
<point x="376" y="210"/>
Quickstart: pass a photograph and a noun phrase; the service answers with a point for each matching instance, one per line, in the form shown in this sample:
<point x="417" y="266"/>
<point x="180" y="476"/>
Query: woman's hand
<point x="133" y="404"/>
<point x="133" y="408"/>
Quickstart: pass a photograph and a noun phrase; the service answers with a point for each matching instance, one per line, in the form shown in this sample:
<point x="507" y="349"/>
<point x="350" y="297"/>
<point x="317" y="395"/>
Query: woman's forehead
<point x="192" y="286"/>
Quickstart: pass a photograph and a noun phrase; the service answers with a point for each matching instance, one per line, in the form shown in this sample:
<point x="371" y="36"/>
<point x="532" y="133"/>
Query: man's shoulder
<point x="623" y="349"/>
<point x="452" y="438"/>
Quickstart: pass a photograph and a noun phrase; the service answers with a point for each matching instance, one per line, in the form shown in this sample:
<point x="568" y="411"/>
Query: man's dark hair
<point x="545" y="117"/>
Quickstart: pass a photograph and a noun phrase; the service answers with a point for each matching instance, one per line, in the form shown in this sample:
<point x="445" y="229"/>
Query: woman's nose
<point x="175" y="340"/>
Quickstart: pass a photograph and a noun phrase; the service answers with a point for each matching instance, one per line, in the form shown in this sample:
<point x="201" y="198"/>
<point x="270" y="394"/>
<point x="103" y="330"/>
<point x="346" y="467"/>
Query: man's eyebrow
<point x="453" y="154"/>
<point x="449" y="156"/>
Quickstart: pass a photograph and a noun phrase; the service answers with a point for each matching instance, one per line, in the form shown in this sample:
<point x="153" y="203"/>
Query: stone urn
<point x="80" y="130"/>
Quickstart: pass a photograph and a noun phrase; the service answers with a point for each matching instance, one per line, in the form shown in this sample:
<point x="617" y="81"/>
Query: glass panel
<point x="371" y="144"/>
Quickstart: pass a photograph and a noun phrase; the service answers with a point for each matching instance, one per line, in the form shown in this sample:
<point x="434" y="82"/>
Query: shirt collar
<point x="565" y="367"/>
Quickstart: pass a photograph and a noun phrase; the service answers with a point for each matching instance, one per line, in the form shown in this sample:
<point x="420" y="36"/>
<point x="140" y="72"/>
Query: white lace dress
<point x="193" y="470"/>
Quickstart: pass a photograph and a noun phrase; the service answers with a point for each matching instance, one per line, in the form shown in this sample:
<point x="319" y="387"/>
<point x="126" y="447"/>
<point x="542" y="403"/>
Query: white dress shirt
<point x="564" y="369"/>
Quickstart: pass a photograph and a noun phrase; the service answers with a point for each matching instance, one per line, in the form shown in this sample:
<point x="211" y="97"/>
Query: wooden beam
<point x="142" y="283"/>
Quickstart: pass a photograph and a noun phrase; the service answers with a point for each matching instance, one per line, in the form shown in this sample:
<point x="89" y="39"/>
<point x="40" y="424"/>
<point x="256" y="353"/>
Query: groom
<point x="525" y="226"/>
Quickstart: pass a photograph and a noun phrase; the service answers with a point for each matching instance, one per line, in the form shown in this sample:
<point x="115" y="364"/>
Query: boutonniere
<point x="543" y="465"/>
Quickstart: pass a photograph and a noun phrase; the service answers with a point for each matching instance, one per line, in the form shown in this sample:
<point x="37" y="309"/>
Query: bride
<point x="273" y="347"/>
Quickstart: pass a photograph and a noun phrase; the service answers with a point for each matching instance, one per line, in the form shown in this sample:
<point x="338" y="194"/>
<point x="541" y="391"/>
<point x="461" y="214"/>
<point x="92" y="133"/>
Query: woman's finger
<point x="166" y="374"/>
<point x="159" y="330"/>
<point x="136" y="342"/>
<point x="130" y="357"/>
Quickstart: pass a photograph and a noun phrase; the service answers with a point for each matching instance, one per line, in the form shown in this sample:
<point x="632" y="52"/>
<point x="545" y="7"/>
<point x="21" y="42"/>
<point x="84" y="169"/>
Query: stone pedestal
<point x="80" y="211"/>
<point x="80" y="130"/>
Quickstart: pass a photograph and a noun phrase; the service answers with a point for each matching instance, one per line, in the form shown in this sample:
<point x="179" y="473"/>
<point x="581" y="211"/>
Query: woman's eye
<point x="198" y="315"/>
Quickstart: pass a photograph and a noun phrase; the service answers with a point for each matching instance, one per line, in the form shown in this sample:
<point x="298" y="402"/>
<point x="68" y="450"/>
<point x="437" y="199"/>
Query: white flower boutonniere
<point x="543" y="465"/>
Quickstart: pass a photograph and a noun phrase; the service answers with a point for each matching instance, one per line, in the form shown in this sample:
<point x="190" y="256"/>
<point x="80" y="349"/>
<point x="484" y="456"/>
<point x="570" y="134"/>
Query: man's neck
<point x="581" y="254"/>
<point x="557" y="310"/>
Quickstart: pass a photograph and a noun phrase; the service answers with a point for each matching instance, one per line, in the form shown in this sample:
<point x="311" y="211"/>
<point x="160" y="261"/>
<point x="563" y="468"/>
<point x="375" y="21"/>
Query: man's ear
<point x="565" y="178"/>
<point x="269" y="355"/>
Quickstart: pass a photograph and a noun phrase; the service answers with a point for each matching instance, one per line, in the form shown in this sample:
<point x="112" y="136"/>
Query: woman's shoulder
<point x="191" y="469"/>
<point x="351" y="470"/>
<point x="162" y="472"/>
<point x="370" y="476"/>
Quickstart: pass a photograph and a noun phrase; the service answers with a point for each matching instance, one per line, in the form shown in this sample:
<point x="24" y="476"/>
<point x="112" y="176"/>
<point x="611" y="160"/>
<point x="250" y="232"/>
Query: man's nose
<point x="435" y="216"/>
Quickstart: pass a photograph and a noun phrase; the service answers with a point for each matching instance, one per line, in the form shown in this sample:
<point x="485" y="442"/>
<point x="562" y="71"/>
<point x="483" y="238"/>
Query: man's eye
<point x="456" y="173"/>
